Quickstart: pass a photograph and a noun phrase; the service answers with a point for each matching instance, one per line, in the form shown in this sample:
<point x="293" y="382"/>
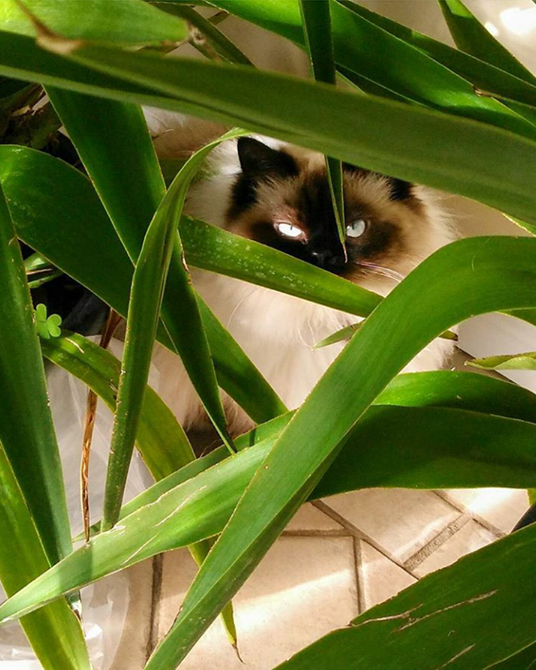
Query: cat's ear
<point x="400" y="189"/>
<point x="258" y="160"/>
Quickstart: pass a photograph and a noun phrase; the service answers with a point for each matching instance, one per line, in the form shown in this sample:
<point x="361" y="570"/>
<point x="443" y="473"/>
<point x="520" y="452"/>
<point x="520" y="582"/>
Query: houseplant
<point x="459" y="120"/>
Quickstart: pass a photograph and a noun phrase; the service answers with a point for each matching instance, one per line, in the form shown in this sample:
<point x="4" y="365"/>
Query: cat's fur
<point x="247" y="195"/>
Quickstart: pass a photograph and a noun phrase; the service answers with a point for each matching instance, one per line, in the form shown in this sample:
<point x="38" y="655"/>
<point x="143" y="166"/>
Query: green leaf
<point x="221" y="44"/>
<point x="132" y="22"/>
<point x="30" y="467"/>
<point x="525" y="361"/>
<point x="111" y="138"/>
<point x="160" y="439"/>
<point x="316" y="21"/>
<point x="162" y="442"/>
<point x="339" y="336"/>
<point x="54" y="632"/>
<point x="472" y="37"/>
<point x="440" y="447"/>
<point x="146" y="297"/>
<point x="334" y="116"/>
<point x="523" y="660"/>
<point x="365" y="48"/>
<point x="26" y="428"/>
<point x="454" y="390"/>
<point x="469" y="615"/>
<point x="467" y="163"/>
<point x="485" y="274"/>
<point x="483" y="75"/>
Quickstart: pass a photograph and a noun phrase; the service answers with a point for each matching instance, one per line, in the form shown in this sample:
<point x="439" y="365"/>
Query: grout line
<point x="158" y="568"/>
<point x="359" y="576"/>
<point x="444" y="495"/>
<point x="360" y="535"/>
<point x="320" y="504"/>
<point x="443" y="536"/>
<point x="343" y="532"/>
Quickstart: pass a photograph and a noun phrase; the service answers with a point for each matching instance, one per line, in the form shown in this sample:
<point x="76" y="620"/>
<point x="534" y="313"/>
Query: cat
<point x="278" y="194"/>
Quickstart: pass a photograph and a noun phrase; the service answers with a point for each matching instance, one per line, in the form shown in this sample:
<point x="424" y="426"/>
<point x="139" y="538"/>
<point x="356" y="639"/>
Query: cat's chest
<point x="276" y="331"/>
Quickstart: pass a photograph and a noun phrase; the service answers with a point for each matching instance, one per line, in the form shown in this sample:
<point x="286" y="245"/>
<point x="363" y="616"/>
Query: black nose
<point x="327" y="259"/>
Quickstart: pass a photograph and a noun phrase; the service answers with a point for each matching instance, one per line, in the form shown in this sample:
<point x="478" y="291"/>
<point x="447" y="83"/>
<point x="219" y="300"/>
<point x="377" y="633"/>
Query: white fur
<point x="277" y="331"/>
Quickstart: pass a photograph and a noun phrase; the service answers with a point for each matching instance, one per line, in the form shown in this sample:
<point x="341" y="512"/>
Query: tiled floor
<point x="337" y="558"/>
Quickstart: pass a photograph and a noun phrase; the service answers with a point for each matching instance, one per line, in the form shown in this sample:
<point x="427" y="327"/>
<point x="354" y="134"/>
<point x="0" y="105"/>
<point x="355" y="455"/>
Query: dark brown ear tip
<point x="400" y="189"/>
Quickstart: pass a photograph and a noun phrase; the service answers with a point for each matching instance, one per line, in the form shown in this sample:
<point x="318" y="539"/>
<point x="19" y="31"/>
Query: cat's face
<point x="282" y="199"/>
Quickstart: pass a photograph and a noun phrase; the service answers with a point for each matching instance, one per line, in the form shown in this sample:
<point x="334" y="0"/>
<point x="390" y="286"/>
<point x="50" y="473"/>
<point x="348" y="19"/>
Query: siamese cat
<point x="278" y="194"/>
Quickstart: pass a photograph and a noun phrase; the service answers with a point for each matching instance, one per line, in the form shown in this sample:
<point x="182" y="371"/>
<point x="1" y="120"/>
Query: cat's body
<point x="279" y="196"/>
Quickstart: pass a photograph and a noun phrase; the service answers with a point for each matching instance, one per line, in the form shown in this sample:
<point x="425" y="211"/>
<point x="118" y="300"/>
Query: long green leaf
<point x="132" y="22"/>
<point x="343" y="115"/>
<point x="472" y="37"/>
<point x="309" y="114"/>
<point x="524" y="660"/>
<point x="365" y="48"/>
<point x="29" y="443"/>
<point x="54" y="632"/>
<point x="440" y="447"/>
<point x="484" y="275"/>
<point x="505" y="84"/>
<point x="146" y="297"/>
<point x="454" y="390"/>
<point x="221" y="44"/>
<point x="526" y="361"/>
<point x="26" y="428"/>
<point x="114" y="144"/>
<point x="316" y="21"/>
<point x="161" y="441"/>
<point x="469" y="615"/>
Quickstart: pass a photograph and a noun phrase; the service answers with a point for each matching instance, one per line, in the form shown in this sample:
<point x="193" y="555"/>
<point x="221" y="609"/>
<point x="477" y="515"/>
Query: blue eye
<point x="356" y="228"/>
<point x="289" y="230"/>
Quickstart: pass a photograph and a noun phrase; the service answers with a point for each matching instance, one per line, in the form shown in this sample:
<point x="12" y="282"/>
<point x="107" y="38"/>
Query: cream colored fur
<point x="277" y="331"/>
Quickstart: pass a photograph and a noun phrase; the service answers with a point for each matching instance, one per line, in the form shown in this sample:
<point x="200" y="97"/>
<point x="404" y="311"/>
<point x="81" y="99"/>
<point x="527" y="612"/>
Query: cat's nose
<point x="327" y="259"/>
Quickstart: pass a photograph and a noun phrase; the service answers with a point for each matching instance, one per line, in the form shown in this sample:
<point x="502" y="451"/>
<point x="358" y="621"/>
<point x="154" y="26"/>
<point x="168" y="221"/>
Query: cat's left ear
<point x="258" y="160"/>
<point x="400" y="189"/>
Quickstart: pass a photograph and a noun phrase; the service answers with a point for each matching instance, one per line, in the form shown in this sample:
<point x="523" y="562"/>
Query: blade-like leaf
<point x="221" y="44"/>
<point x="160" y="438"/>
<point x="472" y="37"/>
<point x="146" y="297"/>
<point x="26" y="428"/>
<point x="439" y="447"/>
<point x="132" y="22"/>
<point x="483" y="276"/>
<point x="519" y="85"/>
<point x="54" y="632"/>
<point x="112" y="140"/>
<point x="466" y="164"/>
<point x="29" y="444"/>
<point x="526" y="361"/>
<point x="363" y="47"/>
<point x="523" y="660"/>
<point x="316" y="21"/>
<point x="454" y="390"/>
<point x="469" y="615"/>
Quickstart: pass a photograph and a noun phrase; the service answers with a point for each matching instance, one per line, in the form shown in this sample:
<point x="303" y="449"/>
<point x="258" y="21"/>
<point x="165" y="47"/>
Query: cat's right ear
<point x="259" y="160"/>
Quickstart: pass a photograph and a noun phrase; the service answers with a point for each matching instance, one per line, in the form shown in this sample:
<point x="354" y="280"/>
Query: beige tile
<point x="304" y="588"/>
<point x="469" y="538"/>
<point x="380" y="578"/>
<point x="132" y="651"/>
<point x="500" y="507"/>
<point x="400" y="520"/>
<point x="309" y="518"/>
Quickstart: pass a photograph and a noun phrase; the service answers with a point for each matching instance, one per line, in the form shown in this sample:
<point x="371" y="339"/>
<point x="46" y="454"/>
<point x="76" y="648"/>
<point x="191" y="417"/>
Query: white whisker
<point x="380" y="270"/>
